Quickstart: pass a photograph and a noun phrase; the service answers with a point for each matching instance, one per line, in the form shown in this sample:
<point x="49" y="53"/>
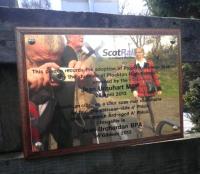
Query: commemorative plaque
<point x="84" y="89"/>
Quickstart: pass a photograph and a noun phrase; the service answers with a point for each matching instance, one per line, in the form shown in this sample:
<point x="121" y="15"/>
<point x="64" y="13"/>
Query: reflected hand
<point x="39" y="76"/>
<point x="135" y="94"/>
<point x="159" y="92"/>
<point x="82" y="70"/>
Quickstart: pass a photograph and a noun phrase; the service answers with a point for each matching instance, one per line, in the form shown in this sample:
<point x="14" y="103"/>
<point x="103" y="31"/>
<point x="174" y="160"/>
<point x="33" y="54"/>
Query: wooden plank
<point x="7" y="55"/>
<point x="7" y="35"/>
<point x="174" y="157"/>
<point x="10" y="121"/>
<point x="11" y="18"/>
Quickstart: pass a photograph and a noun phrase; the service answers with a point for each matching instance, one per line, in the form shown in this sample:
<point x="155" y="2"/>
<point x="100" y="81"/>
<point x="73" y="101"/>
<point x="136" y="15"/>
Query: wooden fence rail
<point x="174" y="157"/>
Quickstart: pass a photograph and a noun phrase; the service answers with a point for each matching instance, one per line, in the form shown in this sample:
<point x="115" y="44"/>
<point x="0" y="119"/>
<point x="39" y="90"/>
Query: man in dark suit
<point x="85" y="99"/>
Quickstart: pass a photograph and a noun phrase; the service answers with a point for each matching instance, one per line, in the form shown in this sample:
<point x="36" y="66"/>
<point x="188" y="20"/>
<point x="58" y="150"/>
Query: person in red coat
<point x="144" y="82"/>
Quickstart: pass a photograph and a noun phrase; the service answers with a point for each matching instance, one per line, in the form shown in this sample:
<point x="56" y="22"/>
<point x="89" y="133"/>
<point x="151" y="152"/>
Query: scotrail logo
<point x="118" y="53"/>
<point x="103" y="52"/>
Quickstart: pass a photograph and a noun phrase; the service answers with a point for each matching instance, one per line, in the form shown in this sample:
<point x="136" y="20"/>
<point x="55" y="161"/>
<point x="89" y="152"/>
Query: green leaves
<point x="192" y="101"/>
<point x="174" y="8"/>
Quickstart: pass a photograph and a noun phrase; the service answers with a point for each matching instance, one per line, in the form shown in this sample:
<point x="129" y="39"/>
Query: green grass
<point x="168" y="77"/>
<point x="169" y="82"/>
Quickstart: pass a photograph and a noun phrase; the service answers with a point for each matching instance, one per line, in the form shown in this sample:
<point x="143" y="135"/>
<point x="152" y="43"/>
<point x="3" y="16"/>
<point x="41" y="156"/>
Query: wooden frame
<point x="114" y="120"/>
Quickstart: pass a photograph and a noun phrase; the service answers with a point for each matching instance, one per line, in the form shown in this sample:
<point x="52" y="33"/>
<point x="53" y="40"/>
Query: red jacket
<point x="35" y="134"/>
<point x="139" y="76"/>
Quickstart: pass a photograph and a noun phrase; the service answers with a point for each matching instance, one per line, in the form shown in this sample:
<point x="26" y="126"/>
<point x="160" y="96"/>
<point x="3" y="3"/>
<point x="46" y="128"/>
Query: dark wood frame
<point x="22" y="78"/>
